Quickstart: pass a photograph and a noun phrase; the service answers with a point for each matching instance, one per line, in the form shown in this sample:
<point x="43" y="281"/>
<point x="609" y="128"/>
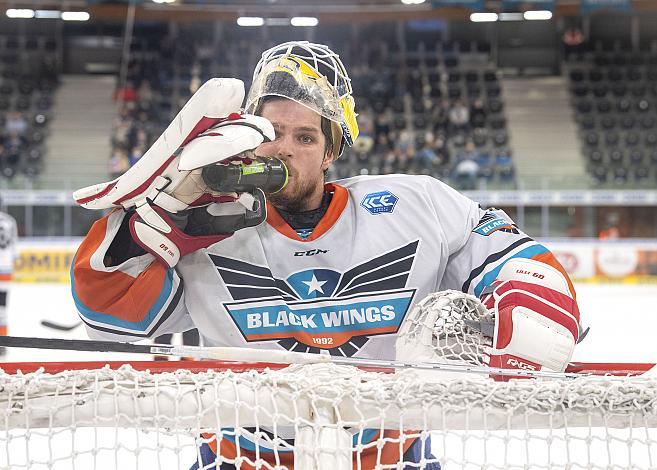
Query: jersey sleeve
<point x="490" y="240"/>
<point x="135" y="299"/>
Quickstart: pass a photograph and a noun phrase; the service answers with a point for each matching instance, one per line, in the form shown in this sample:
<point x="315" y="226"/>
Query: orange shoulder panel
<point x="114" y="293"/>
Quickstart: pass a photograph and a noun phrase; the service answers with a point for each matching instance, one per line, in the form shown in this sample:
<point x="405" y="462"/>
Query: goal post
<point x="159" y="414"/>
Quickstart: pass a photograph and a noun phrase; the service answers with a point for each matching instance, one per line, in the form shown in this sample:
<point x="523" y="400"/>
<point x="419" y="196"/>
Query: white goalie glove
<point x="167" y="180"/>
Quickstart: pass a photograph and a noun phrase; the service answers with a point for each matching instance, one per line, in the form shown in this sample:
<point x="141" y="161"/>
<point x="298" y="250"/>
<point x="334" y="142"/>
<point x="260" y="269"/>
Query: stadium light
<point x="75" y="16"/>
<point x="483" y="17"/>
<point x="538" y="15"/>
<point x="48" y="14"/>
<point x="304" y="21"/>
<point x="510" y="17"/>
<point x="412" y="2"/>
<point x="250" y="21"/>
<point x="164" y="1"/>
<point x="19" y="13"/>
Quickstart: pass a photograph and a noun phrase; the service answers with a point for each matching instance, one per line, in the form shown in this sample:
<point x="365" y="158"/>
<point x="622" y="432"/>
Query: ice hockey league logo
<point x="318" y="309"/>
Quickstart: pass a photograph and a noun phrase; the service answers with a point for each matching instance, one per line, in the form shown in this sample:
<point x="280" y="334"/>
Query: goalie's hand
<point x="168" y="178"/>
<point x="171" y="236"/>
<point x="536" y="318"/>
<point x="208" y="130"/>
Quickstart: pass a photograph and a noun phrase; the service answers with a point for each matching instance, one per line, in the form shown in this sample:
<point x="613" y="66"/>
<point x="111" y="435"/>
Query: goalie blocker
<point x="536" y="317"/>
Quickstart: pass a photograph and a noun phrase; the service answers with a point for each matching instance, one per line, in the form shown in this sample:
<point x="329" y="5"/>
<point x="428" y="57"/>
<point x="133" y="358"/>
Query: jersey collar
<point x="335" y="208"/>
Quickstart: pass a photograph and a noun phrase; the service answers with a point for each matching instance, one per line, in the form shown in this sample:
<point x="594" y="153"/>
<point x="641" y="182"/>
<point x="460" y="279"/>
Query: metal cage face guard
<point x="311" y="75"/>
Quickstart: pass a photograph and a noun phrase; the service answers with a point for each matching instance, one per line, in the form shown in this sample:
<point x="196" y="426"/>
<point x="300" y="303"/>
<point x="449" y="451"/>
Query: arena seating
<point x="614" y="98"/>
<point x="432" y="108"/>
<point x="28" y="78"/>
<point x="422" y="110"/>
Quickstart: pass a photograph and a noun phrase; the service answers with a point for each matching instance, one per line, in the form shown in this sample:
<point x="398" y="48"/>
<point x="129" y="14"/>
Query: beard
<point x="295" y="198"/>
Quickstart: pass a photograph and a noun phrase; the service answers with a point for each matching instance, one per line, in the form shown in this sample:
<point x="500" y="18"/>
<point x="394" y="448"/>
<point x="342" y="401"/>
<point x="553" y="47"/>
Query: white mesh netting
<point x="134" y="419"/>
<point x="328" y="416"/>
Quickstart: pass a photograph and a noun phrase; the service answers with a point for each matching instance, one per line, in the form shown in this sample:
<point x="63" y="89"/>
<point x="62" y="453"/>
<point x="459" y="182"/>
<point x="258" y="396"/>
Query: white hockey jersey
<point x="384" y="243"/>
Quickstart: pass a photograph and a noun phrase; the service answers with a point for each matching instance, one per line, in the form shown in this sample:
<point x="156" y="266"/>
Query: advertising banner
<point x="591" y="6"/>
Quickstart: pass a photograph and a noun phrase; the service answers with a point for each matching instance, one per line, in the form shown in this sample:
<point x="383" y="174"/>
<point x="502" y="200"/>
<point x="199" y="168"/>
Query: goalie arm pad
<point x="134" y="299"/>
<point x="536" y="317"/>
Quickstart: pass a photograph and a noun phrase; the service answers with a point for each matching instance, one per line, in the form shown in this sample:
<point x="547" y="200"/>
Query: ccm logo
<point x="515" y="363"/>
<point x="310" y="252"/>
<point x="529" y="273"/>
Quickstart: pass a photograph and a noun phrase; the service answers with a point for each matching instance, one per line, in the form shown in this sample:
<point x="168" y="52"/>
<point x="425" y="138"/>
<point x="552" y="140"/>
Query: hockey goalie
<point x="336" y="268"/>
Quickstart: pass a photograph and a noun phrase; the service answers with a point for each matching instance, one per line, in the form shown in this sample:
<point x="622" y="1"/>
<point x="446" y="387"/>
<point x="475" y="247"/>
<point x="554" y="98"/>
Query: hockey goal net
<point x="450" y="415"/>
<point x="342" y="417"/>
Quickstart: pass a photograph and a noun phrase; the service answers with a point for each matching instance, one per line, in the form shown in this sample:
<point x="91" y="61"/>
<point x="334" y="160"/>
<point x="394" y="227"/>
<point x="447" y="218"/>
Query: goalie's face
<point x="301" y="145"/>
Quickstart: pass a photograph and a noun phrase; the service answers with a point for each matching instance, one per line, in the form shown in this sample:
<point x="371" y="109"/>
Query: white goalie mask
<point x="313" y="76"/>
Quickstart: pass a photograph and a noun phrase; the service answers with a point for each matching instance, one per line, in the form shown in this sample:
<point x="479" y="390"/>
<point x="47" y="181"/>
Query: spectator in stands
<point x="405" y="143"/>
<point x="127" y="93"/>
<point x="382" y="125"/>
<point x="135" y="154"/>
<point x="15" y="145"/>
<point x="469" y="152"/>
<point x="425" y="157"/>
<point x="16" y="124"/>
<point x="477" y="114"/>
<point x="503" y="158"/>
<point x="145" y="92"/>
<point x="465" y="173"/>
<point x="441" y="151"/>
<point x="366" y="123"/>
<point x="459" y="117"/>
<point x="141" y="138"/>
<point x="118" y="163"/>
<point x="382" y="144"/>
<point x="440" y="116"/>
<point x="121" y="128"/>
<point x="573" y="41"/>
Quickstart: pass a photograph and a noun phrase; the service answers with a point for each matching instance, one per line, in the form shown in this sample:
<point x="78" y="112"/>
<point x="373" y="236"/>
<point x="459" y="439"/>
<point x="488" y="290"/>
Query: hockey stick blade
<point x="59" y="326"/>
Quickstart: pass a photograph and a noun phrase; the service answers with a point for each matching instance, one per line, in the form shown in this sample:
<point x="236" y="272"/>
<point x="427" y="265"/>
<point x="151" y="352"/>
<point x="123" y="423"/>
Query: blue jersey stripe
<point x="490" y="276"/>
<point x="107" y="319"/>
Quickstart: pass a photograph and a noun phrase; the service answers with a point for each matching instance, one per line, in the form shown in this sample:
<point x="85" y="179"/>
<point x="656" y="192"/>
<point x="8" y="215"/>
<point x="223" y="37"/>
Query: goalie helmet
<point x="312" y="75"/>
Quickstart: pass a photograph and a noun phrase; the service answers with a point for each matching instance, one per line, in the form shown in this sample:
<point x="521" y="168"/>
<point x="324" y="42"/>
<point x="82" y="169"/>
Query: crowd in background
<point x="28" y="78"/>
<point x="427" y="151"/>
<point x="408" y="124"/>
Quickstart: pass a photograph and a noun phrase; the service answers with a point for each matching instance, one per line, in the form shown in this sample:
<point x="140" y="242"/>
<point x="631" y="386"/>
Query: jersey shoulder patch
<point x="492" y="222"/>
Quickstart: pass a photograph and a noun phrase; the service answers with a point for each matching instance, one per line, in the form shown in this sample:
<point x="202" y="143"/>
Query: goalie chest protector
<point x="382" y="246"/>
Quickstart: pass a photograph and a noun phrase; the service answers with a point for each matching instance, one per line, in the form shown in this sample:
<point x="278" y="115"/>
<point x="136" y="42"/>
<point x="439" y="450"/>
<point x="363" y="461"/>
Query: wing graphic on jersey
<point x="248" y="281"/>
<point x="386" y="272"/>
<point x="320" y="308"/>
